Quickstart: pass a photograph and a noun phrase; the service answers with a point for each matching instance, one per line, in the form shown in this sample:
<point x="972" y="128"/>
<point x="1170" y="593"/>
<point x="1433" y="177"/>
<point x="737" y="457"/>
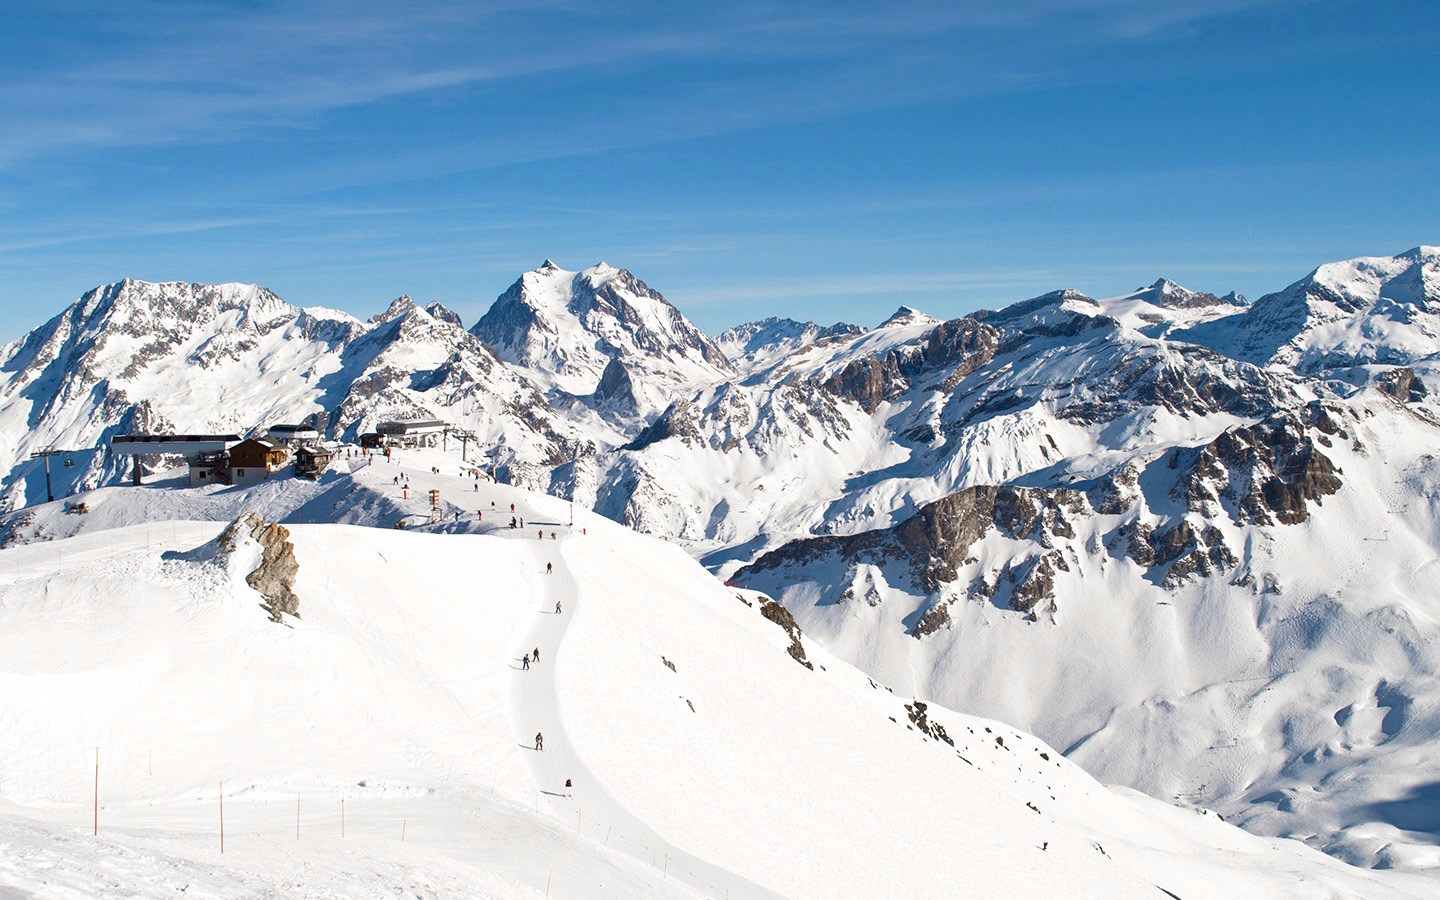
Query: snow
<point x="756" y="346"/>
<point x="377" y="695"/>
<point x="397" y="691"/>
<point x="562" y="329"/>
<point x="1303" y="714"/>
<point x="1342" y="319"/>
<point x="1301" y="709"/>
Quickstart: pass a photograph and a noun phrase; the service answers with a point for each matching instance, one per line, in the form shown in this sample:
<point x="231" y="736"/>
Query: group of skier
<point x="540" y="735"/>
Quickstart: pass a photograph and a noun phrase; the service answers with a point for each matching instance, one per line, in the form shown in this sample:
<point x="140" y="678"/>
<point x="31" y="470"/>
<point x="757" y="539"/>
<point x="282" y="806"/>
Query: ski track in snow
<point x="535" y="704"/>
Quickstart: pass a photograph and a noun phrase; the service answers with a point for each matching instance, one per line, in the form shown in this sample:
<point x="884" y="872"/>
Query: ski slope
<point x="738" y="771"/>
<point x="535" y="708"/>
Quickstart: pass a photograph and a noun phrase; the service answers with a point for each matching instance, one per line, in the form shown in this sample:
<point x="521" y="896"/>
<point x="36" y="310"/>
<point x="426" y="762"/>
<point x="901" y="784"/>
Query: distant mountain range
<point x="1189" y="538"/>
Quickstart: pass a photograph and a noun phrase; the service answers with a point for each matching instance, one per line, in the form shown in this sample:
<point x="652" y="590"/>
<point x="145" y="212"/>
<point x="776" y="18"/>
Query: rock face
<point x="934" y="545"/>
<point x="959" y="347"/>
<point x="1403" y="384"/>
<point x="274" y="574"/>
<point x="782" y="617"/>
<point x="1268" y="472"/>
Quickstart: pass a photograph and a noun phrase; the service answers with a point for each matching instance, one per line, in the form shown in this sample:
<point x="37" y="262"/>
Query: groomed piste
<point x="714" y="751"/>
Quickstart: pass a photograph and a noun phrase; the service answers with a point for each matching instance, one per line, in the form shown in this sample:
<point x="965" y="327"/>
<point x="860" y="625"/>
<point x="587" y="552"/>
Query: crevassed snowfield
<point x="398" y="691"/>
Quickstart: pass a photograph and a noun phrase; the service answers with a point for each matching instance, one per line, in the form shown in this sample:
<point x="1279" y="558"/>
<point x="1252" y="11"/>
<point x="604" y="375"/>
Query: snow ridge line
<point x="534" y="704"/>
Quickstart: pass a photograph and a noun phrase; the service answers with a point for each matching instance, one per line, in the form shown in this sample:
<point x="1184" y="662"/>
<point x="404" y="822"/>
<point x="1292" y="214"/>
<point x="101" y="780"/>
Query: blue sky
<point x="819" y="160"/>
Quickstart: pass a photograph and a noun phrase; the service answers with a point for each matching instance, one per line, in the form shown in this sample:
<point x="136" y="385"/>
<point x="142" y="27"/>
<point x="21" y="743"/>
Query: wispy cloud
<point x="150" y="229"/>
<point x="170" y="75"/>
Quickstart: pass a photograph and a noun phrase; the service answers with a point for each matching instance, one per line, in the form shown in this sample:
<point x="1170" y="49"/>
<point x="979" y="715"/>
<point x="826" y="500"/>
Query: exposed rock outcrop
<point x="1034" y="582"/>
<point x="1403" y="384"/>
<point x="956" y="348"/>
<point x="1262" y="473"/>
<point x="937" y="539"/>
<point x="935" y="543"/>
<point x="918" y="712"/>
<point x="274" y="575"/>
<point x="781" y="616"/>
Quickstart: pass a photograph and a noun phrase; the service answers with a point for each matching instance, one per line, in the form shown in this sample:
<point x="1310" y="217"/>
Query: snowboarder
<point x="549" y="567"/>
<point x="552" y="535"/>
<point x="525" y="663"/>
<point x="539" y="741"/>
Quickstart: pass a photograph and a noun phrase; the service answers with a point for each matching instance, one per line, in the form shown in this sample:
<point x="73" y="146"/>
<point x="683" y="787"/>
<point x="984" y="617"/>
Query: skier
<point x="477" y="487"/>
<point x="525" y="663"/>
<point x="539" y="741"/>
<point x="569" y="788"/>
<point x="512" y="507"/>
<point x="557" y="607"/>
<point x="549" y="567"/>
<point x="537" y="655"/>
<point x="552" y="535"/>
<point x="541" y="535"/>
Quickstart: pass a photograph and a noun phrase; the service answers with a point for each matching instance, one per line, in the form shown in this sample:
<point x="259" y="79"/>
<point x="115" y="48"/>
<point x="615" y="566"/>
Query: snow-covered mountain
<point x="1346" y="321"/>
<point x="757" y="343"/>
<point x="603" y="336"/>
<point x="135" y="356"/>
<point x="693" y="741"/>
<point x="1182" y="536"/>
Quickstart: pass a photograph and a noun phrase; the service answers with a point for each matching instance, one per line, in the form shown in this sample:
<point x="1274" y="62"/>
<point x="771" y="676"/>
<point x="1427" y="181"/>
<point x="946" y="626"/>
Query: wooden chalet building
<point x="312" y="459"/>
<point x="248" y="462"/>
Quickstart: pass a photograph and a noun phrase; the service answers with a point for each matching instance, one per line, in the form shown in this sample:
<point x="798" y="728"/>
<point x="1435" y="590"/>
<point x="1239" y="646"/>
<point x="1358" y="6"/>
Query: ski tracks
<point x="534" y="707"/>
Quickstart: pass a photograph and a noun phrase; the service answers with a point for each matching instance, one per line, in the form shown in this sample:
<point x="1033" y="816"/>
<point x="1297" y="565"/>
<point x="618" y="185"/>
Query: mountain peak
<point x="907" y="315"/>
<point x="398" y="307"/>
<point x="443" y="313"/>
<point x="1168" y="294"/>
<point x="603" y="272"/>
<point x="566" y="328"/>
